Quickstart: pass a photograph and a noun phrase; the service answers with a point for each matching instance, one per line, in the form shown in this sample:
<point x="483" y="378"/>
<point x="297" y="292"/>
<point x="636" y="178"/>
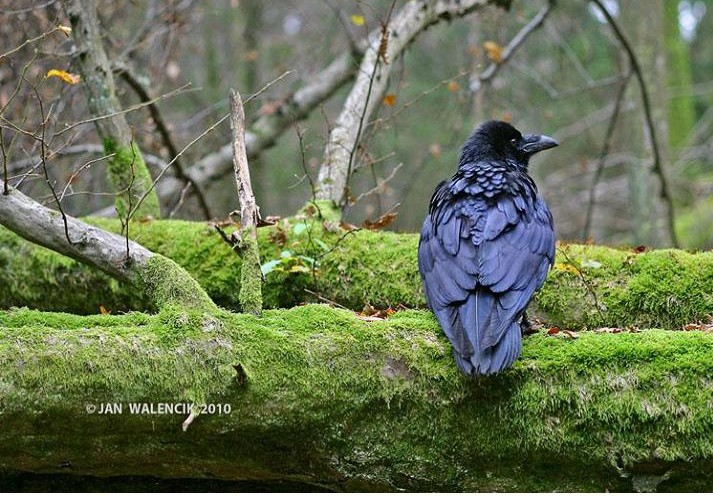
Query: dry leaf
<point x="103" y="310"/>
<point x="65" y="29"/>
<point x="493" y="51"/>
<point x="357" y="20"/>
<point x="390" y="100"/>
<point x="379" y="223"/>
<point x="64" y="76"/>
<point x="453" y="86"/>
<point x="435" y="150"/>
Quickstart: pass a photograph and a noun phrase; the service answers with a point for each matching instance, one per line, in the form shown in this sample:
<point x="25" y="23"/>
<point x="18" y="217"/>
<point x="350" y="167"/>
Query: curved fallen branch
<point x="157" y="278"/>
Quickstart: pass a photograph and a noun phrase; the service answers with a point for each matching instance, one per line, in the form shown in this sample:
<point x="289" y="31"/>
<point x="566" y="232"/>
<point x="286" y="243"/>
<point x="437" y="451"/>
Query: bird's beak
<point x="533" y="143"/>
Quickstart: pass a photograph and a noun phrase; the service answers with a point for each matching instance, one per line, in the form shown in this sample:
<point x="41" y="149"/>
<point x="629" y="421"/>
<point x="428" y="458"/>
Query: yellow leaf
<point x="389" y="100"/>
<point x="358" y="20"/>
<point x="565" y="267"/>
<point x="64" y="76"/>
<point x="493" y="51"/>
<point x="103" y="310"/>
<point x="453" y="86"/>
<point x="65" y="29"/>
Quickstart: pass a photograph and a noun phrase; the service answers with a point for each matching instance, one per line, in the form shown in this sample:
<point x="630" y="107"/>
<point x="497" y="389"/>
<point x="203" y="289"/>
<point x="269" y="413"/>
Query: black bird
<point x="486" y="246"/>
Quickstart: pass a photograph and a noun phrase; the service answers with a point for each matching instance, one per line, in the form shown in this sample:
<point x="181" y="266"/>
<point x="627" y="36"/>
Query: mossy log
<point x="325" y="398"/>
<point x="589" y="287"/>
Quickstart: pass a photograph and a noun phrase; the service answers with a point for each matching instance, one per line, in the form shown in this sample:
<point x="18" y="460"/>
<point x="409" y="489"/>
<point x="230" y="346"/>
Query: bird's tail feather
<point x="495" y="359"/>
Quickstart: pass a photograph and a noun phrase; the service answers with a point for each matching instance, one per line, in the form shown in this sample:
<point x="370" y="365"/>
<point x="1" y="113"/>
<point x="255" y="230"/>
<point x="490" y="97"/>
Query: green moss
<point x="589" y="287"/>
<point x="380" y="402"/>
<point x="164" y="283"/>
<point x="250" y="274"/>
<point x="130" y="178"/>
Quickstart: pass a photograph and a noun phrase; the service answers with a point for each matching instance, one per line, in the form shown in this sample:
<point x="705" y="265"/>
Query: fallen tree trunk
<point x="324" y="398"/>
<point x="589" y="287"/>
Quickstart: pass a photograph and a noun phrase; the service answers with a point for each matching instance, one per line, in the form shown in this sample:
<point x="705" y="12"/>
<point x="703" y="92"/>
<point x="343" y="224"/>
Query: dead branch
<point x="250" y="273"/>
<point x="385" y="44"/>
<point x="603" y="155"/>
<point x="263" y="133"/>
<point x="648" y="117"/>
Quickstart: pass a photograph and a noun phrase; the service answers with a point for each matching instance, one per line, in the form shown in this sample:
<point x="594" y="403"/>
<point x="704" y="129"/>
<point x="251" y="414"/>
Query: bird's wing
<point x="481" y="263"/>
<point x="516" y="253"/>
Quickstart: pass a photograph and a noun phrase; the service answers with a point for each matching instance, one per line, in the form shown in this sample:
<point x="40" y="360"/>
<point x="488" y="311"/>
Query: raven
<point x="486" y="246"/>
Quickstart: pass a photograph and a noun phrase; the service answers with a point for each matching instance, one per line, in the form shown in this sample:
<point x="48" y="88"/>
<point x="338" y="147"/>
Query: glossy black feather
<point x="486" y="246"/>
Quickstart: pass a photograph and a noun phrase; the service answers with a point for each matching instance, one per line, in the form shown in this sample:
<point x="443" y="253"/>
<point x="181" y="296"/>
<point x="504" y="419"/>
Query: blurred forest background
<point x="571" y="78"/>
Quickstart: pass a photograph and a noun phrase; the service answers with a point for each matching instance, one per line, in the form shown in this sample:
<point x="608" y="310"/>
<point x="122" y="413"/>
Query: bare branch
<point x="372" y="78"/>
<point x="603" y="155"/>
<point x="263" y="133"/>
<point x="144" y="94"/>
<point x="645" y="101"/>
<point x="162" y="281"/>
<point x="490" y="72"/>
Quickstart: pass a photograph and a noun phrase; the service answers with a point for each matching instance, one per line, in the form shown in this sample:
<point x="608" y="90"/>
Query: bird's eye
<point x="513" y="141"/>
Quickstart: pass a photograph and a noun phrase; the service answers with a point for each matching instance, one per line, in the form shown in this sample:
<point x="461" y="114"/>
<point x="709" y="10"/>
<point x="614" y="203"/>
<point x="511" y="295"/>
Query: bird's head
<point x="498" y="140"/>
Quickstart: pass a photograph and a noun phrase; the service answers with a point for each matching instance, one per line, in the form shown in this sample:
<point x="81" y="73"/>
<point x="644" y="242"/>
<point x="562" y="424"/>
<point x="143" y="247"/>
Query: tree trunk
<point x="644" y="19"/>
<point x="127" y="170"/>
<point x="324" y="398"/>
<point x="589" y="287"/>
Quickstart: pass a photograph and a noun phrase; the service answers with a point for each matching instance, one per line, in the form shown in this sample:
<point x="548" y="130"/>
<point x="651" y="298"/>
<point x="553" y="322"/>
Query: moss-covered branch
<point x="590" y="286"/>
<point x="348" y="404"/>
<point x="151" y="277"/>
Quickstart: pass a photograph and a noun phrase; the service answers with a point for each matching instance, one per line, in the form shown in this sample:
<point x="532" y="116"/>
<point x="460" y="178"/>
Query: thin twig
<point x="168" y="165"/>
<point x="326" y="300"/>
<point x="313" y="187"/>
<point x="181" y="199"/>
<point x="138" y="106"/>
<point x="603" y="154"/>
<point x="657" y="165"/>
<point x="43" y="127"/>
<point x="585" y="281"/>
<point x="32" y="40"/>
<point x="380" y="185"/>
<point x="76" y="173"/>
<point x="490" y="72"/>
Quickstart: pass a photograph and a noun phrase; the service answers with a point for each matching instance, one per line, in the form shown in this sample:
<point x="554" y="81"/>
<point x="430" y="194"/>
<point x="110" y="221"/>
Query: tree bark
<point x="335" y="402"/>
<point x="127" y="171"/>
<point x="159" y="279"/>
<point x="371" y="81"/>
